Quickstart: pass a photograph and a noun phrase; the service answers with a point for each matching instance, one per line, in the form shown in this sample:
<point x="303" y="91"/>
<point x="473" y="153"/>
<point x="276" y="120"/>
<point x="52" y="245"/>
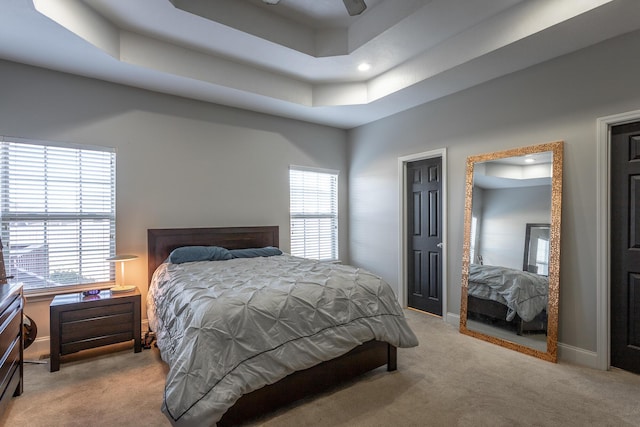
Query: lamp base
<point x="123" y="288"/>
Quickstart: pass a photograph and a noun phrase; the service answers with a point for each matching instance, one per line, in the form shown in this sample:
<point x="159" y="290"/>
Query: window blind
<point x="314" y="213"/>
<point x="57" y="213"/>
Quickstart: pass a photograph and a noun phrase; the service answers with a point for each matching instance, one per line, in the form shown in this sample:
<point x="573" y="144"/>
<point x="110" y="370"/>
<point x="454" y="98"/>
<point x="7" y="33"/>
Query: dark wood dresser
<point x="11" y="306"/>
<point x="81" y="322"/>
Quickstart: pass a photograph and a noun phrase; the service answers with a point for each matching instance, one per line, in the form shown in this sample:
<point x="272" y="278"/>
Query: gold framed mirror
<point x="511" y="261"/>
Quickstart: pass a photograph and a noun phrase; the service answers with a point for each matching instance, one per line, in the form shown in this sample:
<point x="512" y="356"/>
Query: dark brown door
<point x="424" y="266"/>
<point x="625" y="247"/>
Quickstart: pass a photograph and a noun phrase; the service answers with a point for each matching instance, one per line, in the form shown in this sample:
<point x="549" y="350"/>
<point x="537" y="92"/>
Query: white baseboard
<point x="578" y="356"/>
<point x="41" y="347"/>
<point x="453" y="319"/>
<point x="566" y="353"/>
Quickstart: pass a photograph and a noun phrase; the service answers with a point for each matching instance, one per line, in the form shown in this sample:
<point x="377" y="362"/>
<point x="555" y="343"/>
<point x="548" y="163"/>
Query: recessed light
<point x="364" y="67"/>
<point x="529" y="160"/>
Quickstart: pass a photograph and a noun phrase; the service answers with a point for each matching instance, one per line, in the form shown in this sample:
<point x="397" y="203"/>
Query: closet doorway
<point x="423" y="225"/>
<point x="625" y="247"/>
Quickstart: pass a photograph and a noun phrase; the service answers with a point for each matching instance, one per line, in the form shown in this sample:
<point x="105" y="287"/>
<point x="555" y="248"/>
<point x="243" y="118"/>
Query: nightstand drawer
<point x="94" y="342"/>
<point x="97" y="327"/>
<point x="90" y="313"/>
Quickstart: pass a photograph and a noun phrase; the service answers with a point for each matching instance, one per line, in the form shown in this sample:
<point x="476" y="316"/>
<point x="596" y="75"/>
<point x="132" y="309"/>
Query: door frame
<point x="603" y="243"/>
<point x="402" y="201"/>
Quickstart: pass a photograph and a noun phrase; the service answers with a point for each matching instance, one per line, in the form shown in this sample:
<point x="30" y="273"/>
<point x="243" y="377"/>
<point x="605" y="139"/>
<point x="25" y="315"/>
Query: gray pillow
<point x="255" y="252"/>
<point x="199" y="253"/>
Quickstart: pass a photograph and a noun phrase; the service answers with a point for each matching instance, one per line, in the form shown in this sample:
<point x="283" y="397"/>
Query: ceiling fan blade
<point x="354" y="7"/>
<point x="271" y="1"/>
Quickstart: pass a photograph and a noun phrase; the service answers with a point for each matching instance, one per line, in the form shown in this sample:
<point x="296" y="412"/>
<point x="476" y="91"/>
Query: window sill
<point x="42" y="294"/>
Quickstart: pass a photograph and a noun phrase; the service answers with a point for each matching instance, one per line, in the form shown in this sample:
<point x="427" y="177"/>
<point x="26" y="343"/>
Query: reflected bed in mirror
<point x="510" y="277"/>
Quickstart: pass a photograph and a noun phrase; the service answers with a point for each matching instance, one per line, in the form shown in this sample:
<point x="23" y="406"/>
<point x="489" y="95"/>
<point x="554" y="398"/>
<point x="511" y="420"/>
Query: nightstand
<point x="81" y="322"/>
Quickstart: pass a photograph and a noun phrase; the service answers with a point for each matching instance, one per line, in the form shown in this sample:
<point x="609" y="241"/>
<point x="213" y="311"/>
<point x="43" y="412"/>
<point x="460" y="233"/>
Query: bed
<point x="508" y="298"/>
<point x="195" y="392"/>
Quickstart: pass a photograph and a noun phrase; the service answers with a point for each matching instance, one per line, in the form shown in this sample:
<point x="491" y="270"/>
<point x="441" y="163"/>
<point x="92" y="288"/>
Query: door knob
<point x="440" y="245"/>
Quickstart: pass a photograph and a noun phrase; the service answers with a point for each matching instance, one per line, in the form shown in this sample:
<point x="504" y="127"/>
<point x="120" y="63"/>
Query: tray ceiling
<point x="300" y="58"/>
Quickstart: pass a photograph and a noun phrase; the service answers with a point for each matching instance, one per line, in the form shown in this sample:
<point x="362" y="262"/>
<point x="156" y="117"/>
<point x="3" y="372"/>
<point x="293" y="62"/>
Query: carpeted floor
<point x="449" y="380"/>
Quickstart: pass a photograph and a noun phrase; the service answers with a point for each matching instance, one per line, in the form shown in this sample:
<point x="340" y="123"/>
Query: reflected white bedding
<point x="226" y="328"/>
<point x="522" y="292"/>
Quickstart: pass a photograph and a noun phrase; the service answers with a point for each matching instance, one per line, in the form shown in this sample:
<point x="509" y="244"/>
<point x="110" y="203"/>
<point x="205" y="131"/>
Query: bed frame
<point x="298" y="385"/>
<point x="495" y="313"/>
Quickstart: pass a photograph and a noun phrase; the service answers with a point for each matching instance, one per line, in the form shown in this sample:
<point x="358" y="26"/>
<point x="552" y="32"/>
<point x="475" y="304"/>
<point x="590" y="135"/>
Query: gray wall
<point x="503" y="222"/>
<point x="180" y="163"/>
<point x="557" y="100"/>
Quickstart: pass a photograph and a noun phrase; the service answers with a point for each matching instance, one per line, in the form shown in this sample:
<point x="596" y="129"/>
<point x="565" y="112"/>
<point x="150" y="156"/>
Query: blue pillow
<point x="255" y="252"/>
<point x="199" y="253"/>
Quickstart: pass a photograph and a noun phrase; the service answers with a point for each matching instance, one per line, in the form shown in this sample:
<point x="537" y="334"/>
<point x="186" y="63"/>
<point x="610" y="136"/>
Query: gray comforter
<point x="522" y="292"/>
<point x="226" y="328"/>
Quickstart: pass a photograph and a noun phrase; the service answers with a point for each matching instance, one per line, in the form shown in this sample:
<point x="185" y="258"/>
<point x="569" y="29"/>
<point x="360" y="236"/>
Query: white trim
<point x="45" y="293"/>
<point x="38" y="350"/>
<point x="578" y="356"/>
<point x="603" y="286"/>
<point x="453" y="319"/>
<point x="402" y="250"/>
<point x="61" y="144"/>
<point x="314" y="169"/>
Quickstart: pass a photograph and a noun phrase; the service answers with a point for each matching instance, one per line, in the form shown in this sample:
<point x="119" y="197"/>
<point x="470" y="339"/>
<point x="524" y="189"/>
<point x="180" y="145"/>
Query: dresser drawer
<point x="10" y="362"/>
<point x="6" y="316"/>
<point x="10" y="333"/>
<point x="13" y="387"/>
<point x="10" y="301"/>
<point x="10" y="343"/>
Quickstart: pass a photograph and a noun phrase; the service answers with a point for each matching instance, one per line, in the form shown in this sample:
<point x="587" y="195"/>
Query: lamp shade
<point x="118" y="258"/>
<point x="122" y="287"/>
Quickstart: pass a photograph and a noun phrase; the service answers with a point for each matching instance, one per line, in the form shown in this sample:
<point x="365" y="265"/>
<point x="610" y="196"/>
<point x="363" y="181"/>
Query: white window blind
<point x="314" y="213"/>
<point x="57" y="213"/>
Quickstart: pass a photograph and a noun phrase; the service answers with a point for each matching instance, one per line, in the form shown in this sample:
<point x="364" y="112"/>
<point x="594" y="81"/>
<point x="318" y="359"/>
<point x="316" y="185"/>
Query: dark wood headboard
<point x="160" y="242"/>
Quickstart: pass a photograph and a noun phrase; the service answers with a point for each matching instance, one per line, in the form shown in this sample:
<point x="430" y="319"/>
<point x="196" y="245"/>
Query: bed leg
<point x="392" y="358"/>
<point x="520" y="326"/>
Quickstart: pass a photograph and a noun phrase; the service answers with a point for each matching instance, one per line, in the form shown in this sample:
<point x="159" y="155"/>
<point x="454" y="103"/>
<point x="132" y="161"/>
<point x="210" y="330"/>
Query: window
<point x="57" y="208"/>
<point x="314" y="213"/>
<point x="473" y="239"/>
<point x="542" y="256"/>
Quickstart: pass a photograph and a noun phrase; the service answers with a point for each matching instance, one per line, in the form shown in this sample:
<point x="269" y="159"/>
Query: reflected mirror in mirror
<point x="536" y="249"/>
<point x="510" y="271"/>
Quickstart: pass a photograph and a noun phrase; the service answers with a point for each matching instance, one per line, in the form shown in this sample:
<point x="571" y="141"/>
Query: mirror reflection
<point x="506" y="277"/>
<point x="536" y="249"/>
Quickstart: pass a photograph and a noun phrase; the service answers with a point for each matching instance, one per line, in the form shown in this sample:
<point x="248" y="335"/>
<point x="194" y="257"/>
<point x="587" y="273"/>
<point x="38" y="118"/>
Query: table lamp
<point x="122" y="259"/>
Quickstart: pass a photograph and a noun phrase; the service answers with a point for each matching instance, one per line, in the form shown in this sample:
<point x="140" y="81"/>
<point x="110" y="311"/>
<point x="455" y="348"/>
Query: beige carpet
<point x="449" y="380"/>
